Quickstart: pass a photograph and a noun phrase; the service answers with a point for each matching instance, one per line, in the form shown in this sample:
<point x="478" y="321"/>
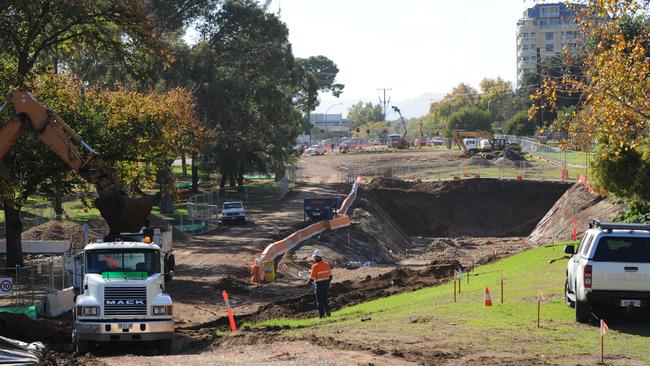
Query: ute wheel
<point x="567" y="300"/>
<point x="81" y="347"/>
<point x="164" y="346"/>
<point x="243" y="220"/>
<point x="583" y="313"/>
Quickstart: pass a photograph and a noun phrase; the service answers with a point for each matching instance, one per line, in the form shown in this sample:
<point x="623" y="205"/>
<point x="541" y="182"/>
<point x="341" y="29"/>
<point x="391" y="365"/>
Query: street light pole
<point x="326" y="111"/>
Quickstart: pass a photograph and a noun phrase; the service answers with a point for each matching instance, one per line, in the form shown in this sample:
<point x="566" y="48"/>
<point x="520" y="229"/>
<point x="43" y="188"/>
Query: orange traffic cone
<point x="487" y="301"/>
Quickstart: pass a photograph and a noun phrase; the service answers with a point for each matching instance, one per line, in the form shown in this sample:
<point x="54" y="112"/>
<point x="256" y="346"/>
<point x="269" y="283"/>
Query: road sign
<point x="6" y="286"/>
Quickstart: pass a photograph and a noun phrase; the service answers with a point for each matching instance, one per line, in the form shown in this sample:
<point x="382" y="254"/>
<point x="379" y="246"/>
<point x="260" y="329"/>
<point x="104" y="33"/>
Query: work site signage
<point x="6" y="285"/>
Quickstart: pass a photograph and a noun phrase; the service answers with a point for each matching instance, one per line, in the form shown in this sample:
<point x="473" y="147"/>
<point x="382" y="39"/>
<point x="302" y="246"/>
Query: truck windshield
<point x="232" y="205"/>
<point x="100" y="261"/>
<point x="623" y="249"/>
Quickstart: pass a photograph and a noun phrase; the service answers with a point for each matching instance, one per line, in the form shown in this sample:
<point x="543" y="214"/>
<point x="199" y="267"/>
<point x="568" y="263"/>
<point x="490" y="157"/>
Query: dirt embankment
<point x="341" y="294"/>
<point x="470" y="207"/>
<point x="576" y="203"/>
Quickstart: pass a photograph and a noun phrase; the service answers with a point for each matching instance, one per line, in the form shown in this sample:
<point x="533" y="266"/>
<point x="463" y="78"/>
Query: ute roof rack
<point x="609" y="226"/>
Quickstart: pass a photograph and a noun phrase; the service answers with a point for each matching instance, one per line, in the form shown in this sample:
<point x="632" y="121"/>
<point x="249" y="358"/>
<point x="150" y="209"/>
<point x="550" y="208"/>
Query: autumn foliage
<point x="615" y="87"/>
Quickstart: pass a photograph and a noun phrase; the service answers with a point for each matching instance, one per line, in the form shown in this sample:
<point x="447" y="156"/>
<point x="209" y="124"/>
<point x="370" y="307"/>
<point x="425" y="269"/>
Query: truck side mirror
<point x="570" y="249"/>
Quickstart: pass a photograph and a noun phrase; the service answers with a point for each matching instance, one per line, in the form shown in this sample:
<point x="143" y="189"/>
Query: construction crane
<point x="403" y="142"/>
<point x="123" y="214"/>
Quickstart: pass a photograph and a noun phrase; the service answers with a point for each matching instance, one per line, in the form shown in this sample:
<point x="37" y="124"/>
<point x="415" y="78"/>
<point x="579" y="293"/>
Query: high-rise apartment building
<point x="549" y="28"/>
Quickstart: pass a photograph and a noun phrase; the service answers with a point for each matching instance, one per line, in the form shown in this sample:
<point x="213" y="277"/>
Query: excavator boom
<point x="121" y="212"/>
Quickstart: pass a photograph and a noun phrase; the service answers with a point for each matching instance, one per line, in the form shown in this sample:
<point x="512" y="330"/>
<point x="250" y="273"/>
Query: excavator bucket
<point x="122" y="213"/>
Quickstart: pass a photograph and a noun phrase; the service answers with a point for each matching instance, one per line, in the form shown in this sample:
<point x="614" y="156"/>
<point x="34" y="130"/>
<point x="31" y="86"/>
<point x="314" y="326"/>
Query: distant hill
<point x="410" y="108"/>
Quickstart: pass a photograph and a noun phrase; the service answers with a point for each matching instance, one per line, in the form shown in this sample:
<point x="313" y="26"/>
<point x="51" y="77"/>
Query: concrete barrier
<point x="59" y="302"/>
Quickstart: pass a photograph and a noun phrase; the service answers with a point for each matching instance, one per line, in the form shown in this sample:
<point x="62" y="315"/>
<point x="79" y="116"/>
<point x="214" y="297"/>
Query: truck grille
<point x="125" y="301"/>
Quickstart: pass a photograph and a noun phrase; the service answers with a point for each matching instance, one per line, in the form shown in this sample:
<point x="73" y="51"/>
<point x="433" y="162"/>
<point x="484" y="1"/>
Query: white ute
<point x="610" y="268"/>
<point x="233" y="212"/>
<point x="120" y="285"/>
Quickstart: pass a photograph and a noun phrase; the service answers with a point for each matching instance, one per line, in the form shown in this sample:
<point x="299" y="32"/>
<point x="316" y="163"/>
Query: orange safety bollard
<point x="231" y="317"/>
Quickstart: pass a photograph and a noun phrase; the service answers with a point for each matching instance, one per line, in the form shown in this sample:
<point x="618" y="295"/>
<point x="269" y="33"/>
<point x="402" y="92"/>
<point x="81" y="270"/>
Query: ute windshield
<point x="123" y="261"/>
<point x="232" y="205"/>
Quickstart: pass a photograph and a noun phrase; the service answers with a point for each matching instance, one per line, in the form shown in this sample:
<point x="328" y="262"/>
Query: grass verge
<point x="510" y="327"/>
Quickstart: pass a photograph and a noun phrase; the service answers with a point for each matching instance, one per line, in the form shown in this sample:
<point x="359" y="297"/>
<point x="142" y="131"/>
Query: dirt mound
<point x="59" y="230"/>
<point x="577" y="202"/>
<point x="504" y="162"/>
<point x="477" y="161"/>
<point x="511" y="155"/>
<point x="470" y="207"/>
<point x="389" y="183"/>
<point x="22" y="328"/>
<point x="348" y="293"/>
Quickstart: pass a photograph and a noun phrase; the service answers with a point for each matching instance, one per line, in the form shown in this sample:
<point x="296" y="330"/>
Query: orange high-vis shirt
<point x="320" y="271"/>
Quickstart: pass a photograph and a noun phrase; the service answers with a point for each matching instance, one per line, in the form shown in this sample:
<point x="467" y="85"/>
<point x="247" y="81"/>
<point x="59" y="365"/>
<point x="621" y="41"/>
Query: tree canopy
<point x="362" y="113"/>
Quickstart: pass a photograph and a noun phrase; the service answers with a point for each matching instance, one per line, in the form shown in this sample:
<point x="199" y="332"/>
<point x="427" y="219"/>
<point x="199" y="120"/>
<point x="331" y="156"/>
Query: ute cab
<point x="121" y="296"/>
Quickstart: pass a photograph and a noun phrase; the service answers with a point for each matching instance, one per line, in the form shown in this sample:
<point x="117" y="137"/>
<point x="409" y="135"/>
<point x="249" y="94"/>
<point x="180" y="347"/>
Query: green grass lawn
<point x="502" y="327"/>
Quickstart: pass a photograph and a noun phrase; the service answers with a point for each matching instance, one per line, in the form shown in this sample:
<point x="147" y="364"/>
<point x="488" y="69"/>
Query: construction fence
<point x="203" y="209"/>
<point x="549" y="153"/>
<point x="22" y="288"/>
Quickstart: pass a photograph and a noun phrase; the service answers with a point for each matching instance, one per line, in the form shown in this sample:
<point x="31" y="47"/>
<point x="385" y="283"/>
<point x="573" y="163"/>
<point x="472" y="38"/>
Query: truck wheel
<point x="567" y="300"/>
<point x="169" y="276"/>
<point x="81" y="347"/>
<point x="583" y="313"/>
<point x="164" y="346"/>
<point x="243" y="221"/>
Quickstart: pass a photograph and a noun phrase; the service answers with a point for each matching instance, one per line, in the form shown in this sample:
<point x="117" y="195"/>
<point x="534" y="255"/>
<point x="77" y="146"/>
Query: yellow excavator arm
<point x="121" y="212"/>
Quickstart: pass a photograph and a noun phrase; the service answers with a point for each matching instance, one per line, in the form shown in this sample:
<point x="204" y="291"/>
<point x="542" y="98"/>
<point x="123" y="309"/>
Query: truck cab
<point x="609" y="268"/>
<point x="321" y="207"/>
<point x="121" y="296"/>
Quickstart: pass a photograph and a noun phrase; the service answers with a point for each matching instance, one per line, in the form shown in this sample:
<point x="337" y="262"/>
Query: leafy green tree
<point x="246" y="88"/>
<point x="314" y="74"/>
<point x="32" y="30"/>
<point x="471" y="119"/>
<point x="519" y="125"/>
<point x="497" y="97"/>
<point x="362" y="113"/>
<point x="325" y="71"/>
<point x="462" y="95"/>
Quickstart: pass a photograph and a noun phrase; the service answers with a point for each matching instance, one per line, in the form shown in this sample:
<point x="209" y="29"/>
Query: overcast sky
<point x="411" y="46"/>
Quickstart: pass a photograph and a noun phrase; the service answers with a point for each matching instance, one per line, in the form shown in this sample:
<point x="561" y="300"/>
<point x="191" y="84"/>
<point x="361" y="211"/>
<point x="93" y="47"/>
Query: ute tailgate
<point x="622" y="263"/>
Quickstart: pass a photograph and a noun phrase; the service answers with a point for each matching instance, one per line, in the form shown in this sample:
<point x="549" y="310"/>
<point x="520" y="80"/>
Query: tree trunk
<point x="13" y="229"/>
<point x="240" y="178"/>
<point x="184" y="165"/>
<point x="195" y="174"/>
<point x="57" y="202"/>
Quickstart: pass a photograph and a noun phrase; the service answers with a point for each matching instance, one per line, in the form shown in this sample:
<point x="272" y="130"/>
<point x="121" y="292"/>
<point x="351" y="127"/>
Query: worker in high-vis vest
<point x="320" y="277"/>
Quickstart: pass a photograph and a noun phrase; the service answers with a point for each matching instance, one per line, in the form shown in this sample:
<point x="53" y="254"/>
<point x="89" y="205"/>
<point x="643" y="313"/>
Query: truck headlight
<point x="88" y="310"/>
<point x="162" y="310"/>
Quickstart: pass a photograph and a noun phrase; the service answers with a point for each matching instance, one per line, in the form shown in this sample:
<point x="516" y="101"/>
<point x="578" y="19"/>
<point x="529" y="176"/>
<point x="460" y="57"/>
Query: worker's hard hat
<point x="317" y="253"/>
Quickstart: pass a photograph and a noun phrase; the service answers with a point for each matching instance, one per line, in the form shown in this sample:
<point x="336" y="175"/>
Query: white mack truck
<point x="120" y="287"/>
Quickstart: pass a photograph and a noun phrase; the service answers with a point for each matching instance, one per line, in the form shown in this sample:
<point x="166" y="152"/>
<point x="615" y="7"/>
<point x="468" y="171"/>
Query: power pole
<point x="384" y="102"/>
